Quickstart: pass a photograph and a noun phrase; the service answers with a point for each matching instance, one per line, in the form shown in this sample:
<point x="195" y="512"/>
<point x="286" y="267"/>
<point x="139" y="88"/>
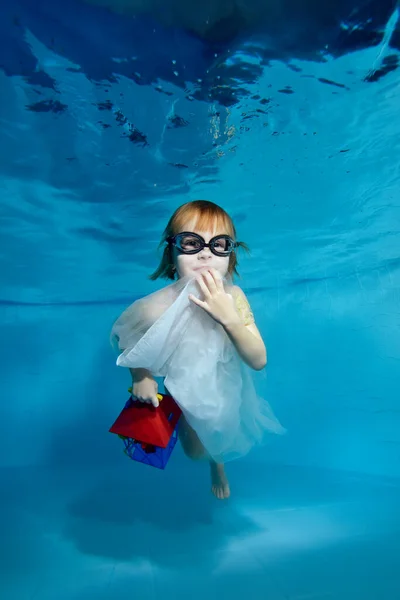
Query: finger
<point x="138" y="399"/>
<point x="197" y="301"/>
<point x="141" y="399"/>
<point x="217" y="279"/>
<point x="203" y="286"/>
<point x="155" y="402"/>
<point x="209" y="278"/>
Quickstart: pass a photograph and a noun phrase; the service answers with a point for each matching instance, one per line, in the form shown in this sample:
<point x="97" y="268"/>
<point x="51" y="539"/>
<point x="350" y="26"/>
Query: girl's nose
<point x="205" y="253"/>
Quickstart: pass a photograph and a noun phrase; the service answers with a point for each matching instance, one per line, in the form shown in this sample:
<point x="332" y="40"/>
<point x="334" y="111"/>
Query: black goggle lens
<point x="191" y="244"/>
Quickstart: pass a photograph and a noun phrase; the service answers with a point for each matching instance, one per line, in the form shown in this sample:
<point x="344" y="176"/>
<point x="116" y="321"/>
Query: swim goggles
<point x="191" y="243"/>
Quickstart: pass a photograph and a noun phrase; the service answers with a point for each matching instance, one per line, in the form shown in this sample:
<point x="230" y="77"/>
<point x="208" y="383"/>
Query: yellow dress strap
<point x="244" y="310"/>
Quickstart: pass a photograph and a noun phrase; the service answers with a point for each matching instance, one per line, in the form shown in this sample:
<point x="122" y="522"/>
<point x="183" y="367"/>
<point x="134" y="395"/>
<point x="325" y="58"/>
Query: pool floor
<point x="131" y="531"/>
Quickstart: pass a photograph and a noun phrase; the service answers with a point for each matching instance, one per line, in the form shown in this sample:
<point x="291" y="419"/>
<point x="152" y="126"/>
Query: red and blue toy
<point x="149" y="433"/>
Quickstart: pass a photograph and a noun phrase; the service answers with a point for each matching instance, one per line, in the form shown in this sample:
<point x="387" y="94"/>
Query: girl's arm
<point x="245" y="335"/>
<point x="233" y="312"/>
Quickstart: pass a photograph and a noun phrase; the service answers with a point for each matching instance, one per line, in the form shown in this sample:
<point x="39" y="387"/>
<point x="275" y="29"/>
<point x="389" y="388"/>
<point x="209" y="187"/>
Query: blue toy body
<point x="149" y="434"/>
<point x="150" y="455"/>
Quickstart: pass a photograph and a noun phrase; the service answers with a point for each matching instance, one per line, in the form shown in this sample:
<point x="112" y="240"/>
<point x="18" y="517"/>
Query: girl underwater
<point x="199" y="334"/>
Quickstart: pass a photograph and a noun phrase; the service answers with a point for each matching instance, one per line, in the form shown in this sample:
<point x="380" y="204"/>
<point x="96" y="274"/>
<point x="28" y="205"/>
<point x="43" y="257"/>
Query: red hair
<point x="205" y="216"/>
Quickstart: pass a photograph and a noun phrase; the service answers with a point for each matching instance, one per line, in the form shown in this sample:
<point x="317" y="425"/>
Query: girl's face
<point x="192" y="264"/>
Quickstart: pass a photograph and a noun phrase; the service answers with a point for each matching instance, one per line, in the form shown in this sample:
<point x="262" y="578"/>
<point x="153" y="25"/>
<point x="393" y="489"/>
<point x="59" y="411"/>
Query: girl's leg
<point x="219" y="481"/>
<point x="191" y="444"/>
<point x="195" y="450"/>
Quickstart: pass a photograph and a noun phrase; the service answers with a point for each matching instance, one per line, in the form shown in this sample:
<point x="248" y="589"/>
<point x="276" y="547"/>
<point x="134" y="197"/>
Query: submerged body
<point x="199" y="335"/>
<point x="173" y="338"/>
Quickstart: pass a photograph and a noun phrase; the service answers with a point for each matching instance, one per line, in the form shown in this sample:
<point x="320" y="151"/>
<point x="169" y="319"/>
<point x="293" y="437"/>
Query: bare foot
<point x="220" y="484"/>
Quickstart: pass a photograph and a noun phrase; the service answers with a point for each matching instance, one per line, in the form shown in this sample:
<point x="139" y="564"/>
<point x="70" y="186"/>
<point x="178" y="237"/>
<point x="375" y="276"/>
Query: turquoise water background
<point x="306" y="160"/>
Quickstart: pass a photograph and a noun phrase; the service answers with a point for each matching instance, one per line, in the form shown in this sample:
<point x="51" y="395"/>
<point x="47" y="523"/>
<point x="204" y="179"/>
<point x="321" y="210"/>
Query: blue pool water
<point x="112" y="114"/>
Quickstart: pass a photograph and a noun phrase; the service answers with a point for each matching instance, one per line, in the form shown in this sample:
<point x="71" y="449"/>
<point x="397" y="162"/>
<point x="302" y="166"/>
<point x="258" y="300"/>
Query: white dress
<point x="175" y="339"/>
